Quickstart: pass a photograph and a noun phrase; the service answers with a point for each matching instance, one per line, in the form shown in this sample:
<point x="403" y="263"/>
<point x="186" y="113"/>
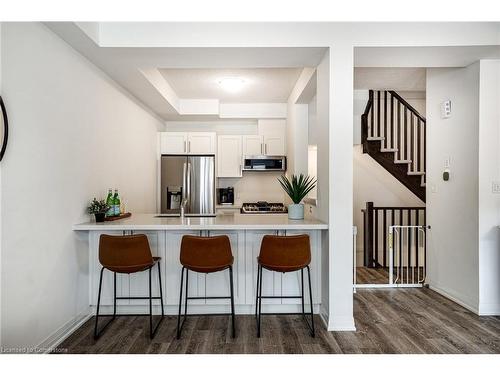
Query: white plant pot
<point x="296" y="211"/>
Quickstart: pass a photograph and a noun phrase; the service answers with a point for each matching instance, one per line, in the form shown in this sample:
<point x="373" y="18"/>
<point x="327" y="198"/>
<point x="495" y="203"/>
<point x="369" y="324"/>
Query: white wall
<point x="73" y="135"/>
<point x="489" y="171"/>
<point x="297" y="125"/>
<point x="1" y="343"/>
<point x="321" y="131"/>
<point x="452" y="206"/>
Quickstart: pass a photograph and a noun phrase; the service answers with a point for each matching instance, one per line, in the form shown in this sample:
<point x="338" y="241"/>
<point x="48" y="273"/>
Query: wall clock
<point x="4" y="129"/>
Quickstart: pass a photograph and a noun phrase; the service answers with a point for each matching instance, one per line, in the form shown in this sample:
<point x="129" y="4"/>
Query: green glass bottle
<point x="116" y="203"/>
<point x="110" y="203"/>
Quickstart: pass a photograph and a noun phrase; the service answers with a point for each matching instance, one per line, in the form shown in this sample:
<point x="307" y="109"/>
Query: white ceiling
<point x="127" y="65"/>
<point x="428" y="57"/>
<point x="261" y="85"/>
<point x="399" y="79"/>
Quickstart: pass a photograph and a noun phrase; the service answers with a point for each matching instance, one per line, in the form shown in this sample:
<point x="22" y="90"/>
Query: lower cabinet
<point x="173" y="269"/>
<point x="133" y="285"/>
<point x="271" y="281"/>
<point x="291" y="282"/>
<point x="217" y="284"/>
<point x="245" y="246"/>
<point x="281" y="284"/>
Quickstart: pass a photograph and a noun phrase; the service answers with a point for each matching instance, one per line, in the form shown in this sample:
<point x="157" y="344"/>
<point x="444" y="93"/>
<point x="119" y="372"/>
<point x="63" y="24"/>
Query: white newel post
<point x="340" y="189"/>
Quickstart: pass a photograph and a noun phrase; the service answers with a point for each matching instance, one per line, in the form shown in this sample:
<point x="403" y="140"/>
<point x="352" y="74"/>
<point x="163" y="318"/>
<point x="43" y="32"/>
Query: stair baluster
<point x="400" y="149"/>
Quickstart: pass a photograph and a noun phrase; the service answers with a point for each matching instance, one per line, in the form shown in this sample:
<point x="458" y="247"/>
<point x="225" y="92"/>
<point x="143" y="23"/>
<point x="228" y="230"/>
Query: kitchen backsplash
<point x="255" y="186"/>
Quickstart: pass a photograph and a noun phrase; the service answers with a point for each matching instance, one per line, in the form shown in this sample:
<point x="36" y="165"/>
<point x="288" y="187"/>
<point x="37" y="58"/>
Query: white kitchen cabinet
<point x="181" y="143"/>
<point x="274" y="145"/>
<point x="201" y="143"/>
<point x="173" y="143"/>
<point x="129" y="285"/>
<point x="173" y="269"/>
<point x="229" y="155"/>
<point x="271" y="281"/>
<point x="245" y="246"/>
<point x="138" y="283"/>
<point x="291" y="281"/>
<point x="217" y="284"/>
<point x="269" y="141"/>
<point x="253" y="145"/>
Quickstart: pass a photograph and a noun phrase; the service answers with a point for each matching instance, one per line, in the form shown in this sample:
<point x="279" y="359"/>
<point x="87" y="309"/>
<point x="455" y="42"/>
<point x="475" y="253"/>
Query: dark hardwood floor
<point x="387" y="321"/>
<point x="365" y="275"/>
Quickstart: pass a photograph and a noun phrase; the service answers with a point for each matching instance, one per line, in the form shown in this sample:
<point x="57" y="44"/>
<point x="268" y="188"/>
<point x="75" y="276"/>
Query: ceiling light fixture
<point x="231" y="84"/>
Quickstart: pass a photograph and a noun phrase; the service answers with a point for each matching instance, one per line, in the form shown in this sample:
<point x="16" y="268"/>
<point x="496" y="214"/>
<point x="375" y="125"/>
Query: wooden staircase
<point x="393" y="133"/>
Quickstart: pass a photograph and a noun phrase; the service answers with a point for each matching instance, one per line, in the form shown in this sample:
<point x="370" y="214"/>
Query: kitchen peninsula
<point x="165" y="233"/>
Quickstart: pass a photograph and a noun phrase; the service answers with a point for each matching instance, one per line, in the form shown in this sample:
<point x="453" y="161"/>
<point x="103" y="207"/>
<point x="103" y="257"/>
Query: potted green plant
<point x="99" y="209"/>
<point x="297" y="188"/>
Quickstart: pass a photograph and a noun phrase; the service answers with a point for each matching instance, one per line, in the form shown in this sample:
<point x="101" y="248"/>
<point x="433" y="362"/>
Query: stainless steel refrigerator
<point x="191" y="178"/>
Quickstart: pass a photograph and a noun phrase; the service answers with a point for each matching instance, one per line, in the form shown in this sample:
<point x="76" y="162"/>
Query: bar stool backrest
<point x="285" y="252"/>
<point x="205" y="252"/>
<point x="125" y="254"/>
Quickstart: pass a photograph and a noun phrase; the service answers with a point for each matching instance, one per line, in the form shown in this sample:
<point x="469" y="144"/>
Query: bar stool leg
<point x="187" y="292"/>
<point x="96" y="332"/>
<point x="114" y="295"/>
<point x="302" y="289"/>
<point x="257" y="291"/>
<point x="232" y="300"/>
<point x="260" y="302"/>
<point x="180" y="306"/>
<point x="161" y="293"/>
<point x="311" y="301"/>
<point x="98" y="303"/>
<point x="150" y="308"/>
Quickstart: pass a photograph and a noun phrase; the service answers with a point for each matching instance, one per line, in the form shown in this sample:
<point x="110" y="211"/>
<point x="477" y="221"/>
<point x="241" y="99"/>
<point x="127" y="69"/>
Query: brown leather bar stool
<point x="127" y="254"/>
<point x="284" y="254"/>
<point x="205" y="255"/>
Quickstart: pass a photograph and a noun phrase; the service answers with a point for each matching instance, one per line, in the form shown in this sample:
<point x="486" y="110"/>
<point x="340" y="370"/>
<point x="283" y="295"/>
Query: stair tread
<point x="413" y="173"/>
<point x="376" y="138"/>
<point x="389" y="149"/>
<point x="402" y="161"/>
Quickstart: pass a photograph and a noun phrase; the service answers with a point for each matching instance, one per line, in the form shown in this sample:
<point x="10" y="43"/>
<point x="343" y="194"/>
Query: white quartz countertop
<point x="220" y="222"/>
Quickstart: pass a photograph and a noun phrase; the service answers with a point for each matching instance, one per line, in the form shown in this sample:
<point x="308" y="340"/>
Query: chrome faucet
<point x="183" y="206"/>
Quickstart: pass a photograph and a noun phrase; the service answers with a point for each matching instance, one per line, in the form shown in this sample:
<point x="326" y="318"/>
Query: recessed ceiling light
<point x="231" y="84"/>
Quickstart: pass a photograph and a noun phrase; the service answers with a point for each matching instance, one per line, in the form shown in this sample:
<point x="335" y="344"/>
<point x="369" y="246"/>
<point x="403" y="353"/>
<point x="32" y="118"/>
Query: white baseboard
<point x="341" y="323"/>
<point x="457" y="299"/>
<point x="61" y="334"/>
<point x="486" y="309"/>
<point x="323" y="314"/>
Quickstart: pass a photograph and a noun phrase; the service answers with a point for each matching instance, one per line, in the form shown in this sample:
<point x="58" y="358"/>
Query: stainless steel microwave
<point x="264" y="163"/>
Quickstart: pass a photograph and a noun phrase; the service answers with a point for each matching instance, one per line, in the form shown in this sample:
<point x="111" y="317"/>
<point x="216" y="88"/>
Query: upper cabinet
<point x="253" y="145"/>
<point x="269" y="141"/>
<point x="229" y="155"/>
<point x="201" y="143"/>
<point x="174" y="143"/>
<point x="274" y="145"/>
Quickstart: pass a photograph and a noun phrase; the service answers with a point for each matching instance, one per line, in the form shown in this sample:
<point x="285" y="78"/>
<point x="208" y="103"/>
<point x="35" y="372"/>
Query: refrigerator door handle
<point x="188" y="183"/>
<point x="184" y="181"/>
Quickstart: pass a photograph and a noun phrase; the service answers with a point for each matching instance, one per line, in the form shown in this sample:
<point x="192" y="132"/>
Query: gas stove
<point x="263" y="208"/>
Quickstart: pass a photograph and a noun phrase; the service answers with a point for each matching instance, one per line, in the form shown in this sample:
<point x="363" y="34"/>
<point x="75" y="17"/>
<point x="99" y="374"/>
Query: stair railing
<point x="376" y="227"/>
<point x="398" y="126"/>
